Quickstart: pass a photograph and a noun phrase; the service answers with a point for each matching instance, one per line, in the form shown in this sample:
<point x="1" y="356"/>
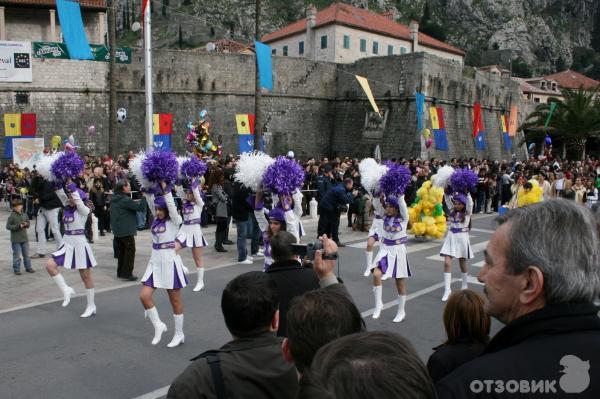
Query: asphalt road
<point x="47" y="351"/>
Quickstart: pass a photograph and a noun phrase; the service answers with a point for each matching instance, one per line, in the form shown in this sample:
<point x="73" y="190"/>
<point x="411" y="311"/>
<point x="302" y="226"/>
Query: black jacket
<point x="240" y="208"/>
<point x="448" y="358"/>
<point x="337" y="197"/>
<point x="551" y="344"/>
<point x="252" y="367"/>
<point x="44" y="191"/>
<point x="292" y="280"/>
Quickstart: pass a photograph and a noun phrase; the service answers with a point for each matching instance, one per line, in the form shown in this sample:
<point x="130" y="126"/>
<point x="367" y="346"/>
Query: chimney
<point x="311" y="22"/>
<point x="391" y="15"/>
<point x="414" y="34"/>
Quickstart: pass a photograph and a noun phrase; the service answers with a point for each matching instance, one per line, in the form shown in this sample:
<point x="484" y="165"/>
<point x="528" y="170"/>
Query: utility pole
<point x="258" y="117"/>
<point x="113" y="145"/>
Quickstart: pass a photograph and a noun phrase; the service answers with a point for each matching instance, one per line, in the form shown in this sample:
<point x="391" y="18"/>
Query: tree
<point x="429" y="26"/>
<point x="575" y="120"/>
<point x="595" y="42"/>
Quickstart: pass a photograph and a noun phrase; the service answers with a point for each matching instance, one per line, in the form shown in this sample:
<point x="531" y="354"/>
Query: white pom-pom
<point x="370" y="173"/>
<point x="45" y="164"/>
<point x="251" y="167"/>
<point x="135" y="167"/>
<point x="440" y="179"/>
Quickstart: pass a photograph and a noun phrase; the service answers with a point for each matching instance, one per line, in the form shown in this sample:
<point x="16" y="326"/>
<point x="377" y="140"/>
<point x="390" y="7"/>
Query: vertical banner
<point x="264" y="65"/>
<point x="246" y="143"/>
<point x="512" y="121"/>
<point x="439" y="133"/>
<point x="478" y="129"/>
<point x="155" y="124"/>
<point x="28" y="124"/>
<point x="12" y="125"/>
<point x="71" y="25"/>
<point x="420" y="100"/>
<point x="165" y="124"/>
<point x="505" y="135"/>
<point x="552" y="108"/>
<point x="242" y="122"/>
<point x="27" y="151"/>
<point x="15" y="62"/>
<point x="364" y="83"/>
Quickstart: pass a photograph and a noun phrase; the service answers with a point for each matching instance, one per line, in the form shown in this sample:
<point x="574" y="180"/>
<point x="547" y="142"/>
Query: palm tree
<point x="575" y="119"/>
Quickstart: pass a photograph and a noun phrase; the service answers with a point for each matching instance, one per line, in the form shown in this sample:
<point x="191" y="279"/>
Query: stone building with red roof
<point x="342" y="33"/>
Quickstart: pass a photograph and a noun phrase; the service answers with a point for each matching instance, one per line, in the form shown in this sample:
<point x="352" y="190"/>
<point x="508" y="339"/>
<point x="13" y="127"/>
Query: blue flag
<point x="440" y="139"/>
<point x="71" y="25"/>
<point x="246" y="142"/>
<point x="420" y="100"/>
<point x="480" y="143"/>
<point x="162" y="142"/>
<point x="507" y="142"/>
<point x="264" y="65"/>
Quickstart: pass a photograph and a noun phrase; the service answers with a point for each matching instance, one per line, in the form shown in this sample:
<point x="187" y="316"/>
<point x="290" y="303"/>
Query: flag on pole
<point x="478" y="129"/>
<point x="505" y="135"/>
<point x="264" y="65"/>
<point x="364" y="83"/>
<point x="552" y="108"/>
<point x="245" y="123"/>
<point x="71" y="25"/>
<point x="439" y="128"/>
<point x="420" y="100"/>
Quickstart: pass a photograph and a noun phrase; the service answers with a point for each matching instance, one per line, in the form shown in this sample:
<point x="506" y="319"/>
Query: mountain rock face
<point x="543" y="33"/>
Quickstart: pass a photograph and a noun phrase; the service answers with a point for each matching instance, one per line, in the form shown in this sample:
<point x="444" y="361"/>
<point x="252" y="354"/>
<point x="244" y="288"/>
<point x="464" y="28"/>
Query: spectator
<point x="324" y="182"/>
<point x="543" y="293"/>
<point x="219" y="200"/>
<point x="240" y="211"/>
<point x="50" y="205"/>
<point x="98" y="198"/>
<point x="380" y="365"/>
<point x="17" y="224"/>
<point x="467" y="330"/>
<point x="330" y="207"/>
<point x="591" y="195"/>
<point x="251" y="365"/>
<point x="291" y="278"/>
<point x="580" y="191"/>
<point x="123" y="218"/>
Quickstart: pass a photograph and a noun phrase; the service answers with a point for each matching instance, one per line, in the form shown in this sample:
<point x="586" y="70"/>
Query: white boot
<point x="90" y="309"/>
<point x="369" y="256"/>
<point x="447" y="288"/>
<point x="401" y="314"/>
<point x="159" y="326"/>
<point x="200" y="284"/>
<point x="67" y="291"/>
<point x="465" y="277"/>
<point x="378" y="293"/>
<point x="178" y="338"/>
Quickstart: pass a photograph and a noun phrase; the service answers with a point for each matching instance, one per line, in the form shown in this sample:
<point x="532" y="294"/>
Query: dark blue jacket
<point x="336" y="197"/>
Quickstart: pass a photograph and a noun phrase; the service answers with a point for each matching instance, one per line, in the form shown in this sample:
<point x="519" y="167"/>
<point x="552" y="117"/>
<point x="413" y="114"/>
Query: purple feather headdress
<point x="160" y="165"/>
<point x="395" y="181"/>
<point x="193" y="167"/>
<point x="67" y="165"/>
<point x="283" y="176"/>
<point x="463" y="181"/>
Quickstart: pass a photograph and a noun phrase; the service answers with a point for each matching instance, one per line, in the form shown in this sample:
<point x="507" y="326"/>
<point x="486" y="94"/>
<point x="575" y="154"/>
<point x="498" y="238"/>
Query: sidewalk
<point x="30" y="289"/>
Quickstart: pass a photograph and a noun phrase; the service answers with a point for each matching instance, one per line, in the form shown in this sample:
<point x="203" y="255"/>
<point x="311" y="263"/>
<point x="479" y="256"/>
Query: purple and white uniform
<point x="75" y="252"/>
<point x="457" y="243"/>
<point x="165" y="268"/>
<point x="377" y="225"/>
<point x="392" y="258"/>
<point x="291" y="224"/>
<point x="190" y="232"/>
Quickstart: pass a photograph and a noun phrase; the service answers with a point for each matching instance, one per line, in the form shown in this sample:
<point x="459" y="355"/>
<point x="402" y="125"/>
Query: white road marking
<point x="159" y="393"/>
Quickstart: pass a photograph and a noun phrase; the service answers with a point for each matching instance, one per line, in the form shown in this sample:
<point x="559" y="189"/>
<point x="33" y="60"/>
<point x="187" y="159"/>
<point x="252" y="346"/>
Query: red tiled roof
<point x="573" y="80"/>
<point x="344" y="14"/>
<point x="527" y="87"/>
<point x="85" y="4"/>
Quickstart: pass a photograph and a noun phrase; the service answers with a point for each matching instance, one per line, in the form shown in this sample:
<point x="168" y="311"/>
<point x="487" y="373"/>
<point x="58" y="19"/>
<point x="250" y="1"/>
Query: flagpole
<point x="148" y="74"/>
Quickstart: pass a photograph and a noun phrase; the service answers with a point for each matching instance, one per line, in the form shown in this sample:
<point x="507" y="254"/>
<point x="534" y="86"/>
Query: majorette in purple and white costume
<point x="190" y="233"/>
<point x="165" y="268"/>
<point x="287" y="218"/>
<point x="378" y="213"/>
<point x="457" y="243"/>
<point x="75" y="252"/>
<point x="392" y="258"/>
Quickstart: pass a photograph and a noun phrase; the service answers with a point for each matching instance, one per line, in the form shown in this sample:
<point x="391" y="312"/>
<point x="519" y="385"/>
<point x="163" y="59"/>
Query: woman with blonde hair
<point x="467" y="330"/>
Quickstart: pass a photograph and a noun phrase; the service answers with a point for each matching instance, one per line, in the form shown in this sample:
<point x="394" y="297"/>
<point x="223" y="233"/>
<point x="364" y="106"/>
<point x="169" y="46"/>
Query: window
<point x="536" y="99"/>
<point x="363" y="46"/>
<point x="402" y="50"/>
<point x="346" y="41"/>
<point x="543" y="85"/>
<point x="390" y="49"/>
<point x="301" y="48"/>
<point x="285" y="51"/>
<point x="375" y="48"/>
<point x="274" y="51"/>
<point x="323" y="42"/>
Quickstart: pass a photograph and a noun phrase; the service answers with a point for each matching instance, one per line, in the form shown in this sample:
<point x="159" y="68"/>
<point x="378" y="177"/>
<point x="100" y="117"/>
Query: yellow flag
<point x="12" y="124"/>
<point x="503" y="123"/>
<point x="512" y="121"/>
<point x="155" y="124"/>
<point x="364" y="83"/>
<point x="243" y="124"/>
<point x="435" y="123"/>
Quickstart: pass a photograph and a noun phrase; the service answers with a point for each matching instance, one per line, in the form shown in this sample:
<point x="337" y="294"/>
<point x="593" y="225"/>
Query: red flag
<point x="165" y="124"/>
<point x="28" y="124"/>
<point x="251" y="119"/>
<point x="440" y="114"/>
<point x="144" y="5"/>
<point x="477" y="124"/>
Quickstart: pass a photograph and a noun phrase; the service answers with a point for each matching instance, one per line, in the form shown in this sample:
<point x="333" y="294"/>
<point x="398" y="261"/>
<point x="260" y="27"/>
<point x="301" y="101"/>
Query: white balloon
<point x="121" y="115"/>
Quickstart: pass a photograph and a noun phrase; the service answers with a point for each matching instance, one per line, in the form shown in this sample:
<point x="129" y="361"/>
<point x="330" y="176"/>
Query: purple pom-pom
<point x="283" y="176"/>
<point x="66" y="166"/>
<point x="395" y="180"/>
<point x="159" y="166"/>
<point x="193" y="167"/>
<point x="463" y="181"/>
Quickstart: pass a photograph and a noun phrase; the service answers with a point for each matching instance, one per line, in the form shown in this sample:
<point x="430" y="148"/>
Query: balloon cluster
<point x="198" y="138"/>
<point x="426" y="213"/>
<point x="531" y="196"/>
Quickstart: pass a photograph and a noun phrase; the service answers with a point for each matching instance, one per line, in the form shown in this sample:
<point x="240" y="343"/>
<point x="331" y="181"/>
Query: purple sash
<point x="192" y="221"/>
<point x="399" y="241"/>
<point x="164" y="245"/>
<point x="75" y="232"/>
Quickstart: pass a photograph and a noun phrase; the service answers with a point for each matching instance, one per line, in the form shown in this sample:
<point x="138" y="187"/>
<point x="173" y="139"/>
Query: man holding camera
<point x="331" y="205"/>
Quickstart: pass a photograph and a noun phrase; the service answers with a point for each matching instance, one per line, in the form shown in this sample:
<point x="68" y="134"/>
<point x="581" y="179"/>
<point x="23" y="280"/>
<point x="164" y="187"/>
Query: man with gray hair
<point x="541" y="277"/>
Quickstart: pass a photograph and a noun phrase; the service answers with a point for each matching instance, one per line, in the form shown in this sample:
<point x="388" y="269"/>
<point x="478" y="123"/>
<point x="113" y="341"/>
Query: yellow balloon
<point x="426" y="133"/>
<point x="55" y="142"/>
<point x="432" y="230"/>
<point x="427" y="184"/>
<point x="428" y="220"/>
<point x="440" y="219"/>
<point x="418" y="207"/>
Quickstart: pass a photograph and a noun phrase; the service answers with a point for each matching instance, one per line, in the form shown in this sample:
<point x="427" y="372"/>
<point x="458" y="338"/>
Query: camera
<point x="308" y="250"/>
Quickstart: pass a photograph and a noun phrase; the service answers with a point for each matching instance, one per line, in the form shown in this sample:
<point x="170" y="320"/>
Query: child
<point x="18" y="223"/>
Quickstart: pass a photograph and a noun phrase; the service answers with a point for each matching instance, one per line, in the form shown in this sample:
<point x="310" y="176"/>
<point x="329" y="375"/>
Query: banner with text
<point x="15" y="62"/>
<point x="99" y="52"/>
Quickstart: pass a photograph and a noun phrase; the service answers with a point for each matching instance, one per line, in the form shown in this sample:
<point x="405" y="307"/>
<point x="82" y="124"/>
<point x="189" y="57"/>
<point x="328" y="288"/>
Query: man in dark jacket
<point x="123" y="220"/>
<point x="330" y="207"/>
<point x="240" y="212"/>
<point x="291" y="278"/>
<point x="250" y="366"/>
<point x="541" y="276"/>
<point x="43" y="192"/>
